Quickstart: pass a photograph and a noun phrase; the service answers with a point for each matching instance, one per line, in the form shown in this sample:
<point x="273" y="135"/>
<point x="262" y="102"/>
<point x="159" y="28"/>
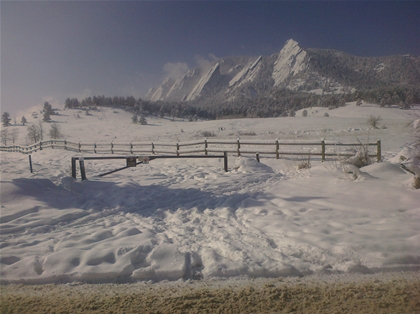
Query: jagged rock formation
<point x="314" y="71"/>
<point x="291" y="60"/>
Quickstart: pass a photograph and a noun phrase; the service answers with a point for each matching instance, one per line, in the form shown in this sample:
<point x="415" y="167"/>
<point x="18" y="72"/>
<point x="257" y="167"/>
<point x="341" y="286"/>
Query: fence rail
<point x="239" y="147"/>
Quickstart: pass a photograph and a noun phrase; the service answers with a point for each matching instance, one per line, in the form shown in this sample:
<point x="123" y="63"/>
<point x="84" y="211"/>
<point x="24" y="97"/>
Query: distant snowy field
<point x="188" y="219"/>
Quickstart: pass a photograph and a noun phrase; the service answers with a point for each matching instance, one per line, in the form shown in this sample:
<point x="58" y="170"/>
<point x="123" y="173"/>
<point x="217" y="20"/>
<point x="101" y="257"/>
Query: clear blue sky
<point x="52" y="50"/>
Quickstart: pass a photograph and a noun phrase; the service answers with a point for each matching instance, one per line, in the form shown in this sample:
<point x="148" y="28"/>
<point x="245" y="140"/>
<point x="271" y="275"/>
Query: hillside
<point x="307" y="74"/>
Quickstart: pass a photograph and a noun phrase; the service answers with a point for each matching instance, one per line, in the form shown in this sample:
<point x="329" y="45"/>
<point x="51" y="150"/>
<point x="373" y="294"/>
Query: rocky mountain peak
<point x="290" y="60"/>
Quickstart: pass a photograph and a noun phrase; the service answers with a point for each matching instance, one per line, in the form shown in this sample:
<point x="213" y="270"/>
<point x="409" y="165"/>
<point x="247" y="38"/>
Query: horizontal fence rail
<point x="238" y="147"/>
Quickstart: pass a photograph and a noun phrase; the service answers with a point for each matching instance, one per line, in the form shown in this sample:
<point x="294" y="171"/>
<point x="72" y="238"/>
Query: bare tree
<point x="33" y="134"/>
<point x="4" y="136"/>
<point x="41" y="130"/>
<point x="55" y="131"/>
<point x="14" y="135"/>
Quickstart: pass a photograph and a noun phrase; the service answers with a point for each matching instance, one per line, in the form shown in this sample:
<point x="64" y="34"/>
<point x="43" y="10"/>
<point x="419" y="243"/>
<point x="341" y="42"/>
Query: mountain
<point x="313" y="71"/>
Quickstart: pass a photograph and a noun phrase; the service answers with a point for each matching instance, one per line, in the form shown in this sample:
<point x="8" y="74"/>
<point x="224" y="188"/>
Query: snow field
<point x="188" y="219"/>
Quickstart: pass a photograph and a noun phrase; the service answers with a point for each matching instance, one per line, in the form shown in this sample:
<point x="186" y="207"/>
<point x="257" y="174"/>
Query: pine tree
<point x="143" y="120"/>
<point x="135" y="119"/>
<point x="5" y="119"/>
<point x="23" y="121"/>
<point x="47" y="112"/>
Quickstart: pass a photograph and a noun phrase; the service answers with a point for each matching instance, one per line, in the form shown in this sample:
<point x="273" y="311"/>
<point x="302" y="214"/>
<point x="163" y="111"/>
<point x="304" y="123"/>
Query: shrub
<point x="304" y="162"/>
<point x="207" y="134"/>
<point x="251" y="133"/>
<point x="373" y="121"/>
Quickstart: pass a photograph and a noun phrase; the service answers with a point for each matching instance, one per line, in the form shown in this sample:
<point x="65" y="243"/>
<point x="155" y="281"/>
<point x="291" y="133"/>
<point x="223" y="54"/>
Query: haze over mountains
<point x="316" y="71"/>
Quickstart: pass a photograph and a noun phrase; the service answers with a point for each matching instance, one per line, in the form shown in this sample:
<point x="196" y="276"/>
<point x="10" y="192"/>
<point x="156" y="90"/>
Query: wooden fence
<point x="238" y="147"/>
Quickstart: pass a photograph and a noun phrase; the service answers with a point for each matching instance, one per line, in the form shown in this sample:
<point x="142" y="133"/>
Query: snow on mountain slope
<point x="205" y="82"/>
<point x="247" y="74"/>
<point x="291" y="60"/>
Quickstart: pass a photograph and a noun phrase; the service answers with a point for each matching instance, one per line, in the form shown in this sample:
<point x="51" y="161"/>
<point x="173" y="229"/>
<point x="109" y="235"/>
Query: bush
<point x="207" y="134"/>
<point x="373" y="121"/>
<point x="251" y="133"/>
<point x="304" y="162"/>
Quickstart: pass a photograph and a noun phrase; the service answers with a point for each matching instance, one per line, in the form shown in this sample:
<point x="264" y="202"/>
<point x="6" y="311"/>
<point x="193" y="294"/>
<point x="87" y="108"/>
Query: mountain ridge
<point x="317" y="71"/>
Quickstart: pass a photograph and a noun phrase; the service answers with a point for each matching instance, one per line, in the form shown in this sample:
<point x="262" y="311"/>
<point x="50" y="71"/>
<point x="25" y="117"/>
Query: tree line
<point x="278" y="103"/>
<point x="35" y="133"/>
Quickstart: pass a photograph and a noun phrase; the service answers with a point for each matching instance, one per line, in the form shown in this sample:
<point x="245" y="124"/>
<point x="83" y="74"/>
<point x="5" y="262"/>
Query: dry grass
<point x="395" y="293"/>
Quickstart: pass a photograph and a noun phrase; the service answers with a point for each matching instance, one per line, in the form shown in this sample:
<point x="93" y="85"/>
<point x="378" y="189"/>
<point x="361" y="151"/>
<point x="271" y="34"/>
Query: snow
<point x="203" y="81"/>
<point x="188" y="219"/>
<point x="291" y="60"/>
<point x="247" y="74"/>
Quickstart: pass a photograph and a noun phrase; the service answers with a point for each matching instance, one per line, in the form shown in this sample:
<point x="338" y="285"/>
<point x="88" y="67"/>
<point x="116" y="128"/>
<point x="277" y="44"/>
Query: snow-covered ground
<point x="178" y="218"/>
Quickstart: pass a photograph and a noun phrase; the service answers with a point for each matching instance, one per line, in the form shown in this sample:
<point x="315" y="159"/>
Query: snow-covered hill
<point x="173" y="219"/>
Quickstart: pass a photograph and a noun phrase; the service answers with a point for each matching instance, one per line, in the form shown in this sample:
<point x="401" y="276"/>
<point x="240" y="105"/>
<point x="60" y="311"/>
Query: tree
<point x="4" y="136"/>
<point x="33" y="133"/>
<point x="14" y="135"/>
<point x="5" y="119"/>
<point x="55" y="131"/>
<point x="47" y="112"/>
<point x="135" y="119"/>
<point x="404" y="105"/>
<point x="23" y="121"/>
<point x="305" y="113"/>
<point x="41" y="130"/>
<point x="143" y="120"/>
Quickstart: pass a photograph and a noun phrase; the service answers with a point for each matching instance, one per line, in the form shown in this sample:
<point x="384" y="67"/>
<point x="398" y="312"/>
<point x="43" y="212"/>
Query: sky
<point x="52" y="50"/>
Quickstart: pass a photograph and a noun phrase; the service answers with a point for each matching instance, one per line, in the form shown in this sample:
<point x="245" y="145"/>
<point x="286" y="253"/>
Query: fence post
<point x="131" y="147"/>
<point x="65" y="145"/>
<point x="323" y="150"/>
<point x="153" y="148"/>
<point x="82" y="168"/>
<point x="80" y="147"/>
<point x="30" y="163"/>
<point x="94" y="147"/>
<point x="277" y="149"/>
<point x="40" y="145"/>
<point x="239" y="148"/>
<point x="225" y="161"/>
<point x="205" y="147"/>
<point x="112" y="148"/>
<point x="177" y="148"/>
<point x="73" y="167"/>
<point x="378" y="151"/>
<point x="257" y="156"/>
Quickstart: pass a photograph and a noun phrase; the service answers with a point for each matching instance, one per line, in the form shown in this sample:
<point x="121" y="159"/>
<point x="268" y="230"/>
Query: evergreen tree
<point x="47" y="111"/>
<point x="23" y="120"/>
<point x="5" y="119"/>
<point x="142" y="120"/>
<point x="135" y="119"/>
